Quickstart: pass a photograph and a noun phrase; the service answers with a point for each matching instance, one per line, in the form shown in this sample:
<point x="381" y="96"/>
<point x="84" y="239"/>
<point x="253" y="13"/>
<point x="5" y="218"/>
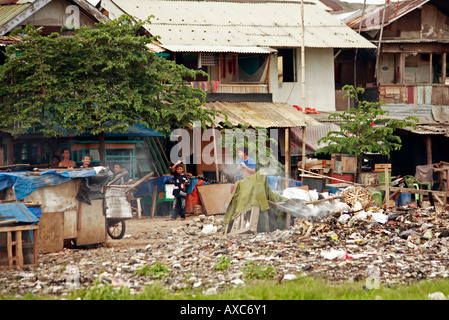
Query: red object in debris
<point x="297" y="107"/>
<point x="311" y="110"/>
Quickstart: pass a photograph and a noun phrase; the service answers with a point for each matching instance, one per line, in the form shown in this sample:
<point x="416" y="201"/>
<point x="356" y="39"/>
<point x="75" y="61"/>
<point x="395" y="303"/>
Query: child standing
<point x="180" y="181"/>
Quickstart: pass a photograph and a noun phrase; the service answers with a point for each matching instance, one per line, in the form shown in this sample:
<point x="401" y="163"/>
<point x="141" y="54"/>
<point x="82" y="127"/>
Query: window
<point x="287" y="65"/>
<point x="417" y="68"/>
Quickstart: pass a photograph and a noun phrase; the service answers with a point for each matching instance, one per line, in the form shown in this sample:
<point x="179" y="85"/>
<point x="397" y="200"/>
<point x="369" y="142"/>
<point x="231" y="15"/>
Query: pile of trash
<point x="200" y="226"/>
<point x="335" y="241"/>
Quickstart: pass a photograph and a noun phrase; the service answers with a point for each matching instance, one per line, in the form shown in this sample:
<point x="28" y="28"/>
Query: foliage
<point x="254" y="271"/>
<point x="222" y="264"/>
<point x="304" y="288"/>
<point x="256" y="141"/>
<point x="103" y="291"/>
<point x="100" y="80"/>
<point x="364" y="128"/>
<point x="157" y="270"/>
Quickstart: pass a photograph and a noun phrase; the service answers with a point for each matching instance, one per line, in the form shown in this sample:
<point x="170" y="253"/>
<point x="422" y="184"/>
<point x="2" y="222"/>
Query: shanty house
<point x="251" y="52"/>
<point x="408" y="71"/>
<point x="131" y="149"/>
<point x="412" y="63"/>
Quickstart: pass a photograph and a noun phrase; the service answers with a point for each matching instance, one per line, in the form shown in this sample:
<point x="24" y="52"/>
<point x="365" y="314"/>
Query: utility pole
<point x="303" y="84"/>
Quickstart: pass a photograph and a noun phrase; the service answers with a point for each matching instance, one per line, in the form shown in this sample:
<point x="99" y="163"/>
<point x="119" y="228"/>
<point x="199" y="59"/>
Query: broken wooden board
<point x="92" y="223"/>
<point x="245" y="222"/>
<point x="51" y="232"/>
<point x="215" y="197"/>
<point x="254" y="221"/>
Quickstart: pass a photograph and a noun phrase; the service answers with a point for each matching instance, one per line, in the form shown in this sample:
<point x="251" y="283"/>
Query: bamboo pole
<point x="380" y="41"/>
<point x="303" y="83"/>
<point x="327" y="177"/>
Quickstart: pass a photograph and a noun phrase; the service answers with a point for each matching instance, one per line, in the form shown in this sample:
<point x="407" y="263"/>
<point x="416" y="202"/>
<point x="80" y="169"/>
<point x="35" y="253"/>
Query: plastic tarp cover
<point x="24" y="184"/>
<point x="251" y="191"/>
<point x="147" y="187"/>
<point x="20" y="214"/>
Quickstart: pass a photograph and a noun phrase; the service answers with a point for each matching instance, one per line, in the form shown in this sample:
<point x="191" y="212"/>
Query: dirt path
<point x="146" y="230"/>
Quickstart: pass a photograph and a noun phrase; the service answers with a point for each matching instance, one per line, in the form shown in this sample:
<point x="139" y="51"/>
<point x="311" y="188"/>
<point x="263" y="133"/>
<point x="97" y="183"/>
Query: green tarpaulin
<point x="249" y="192"/>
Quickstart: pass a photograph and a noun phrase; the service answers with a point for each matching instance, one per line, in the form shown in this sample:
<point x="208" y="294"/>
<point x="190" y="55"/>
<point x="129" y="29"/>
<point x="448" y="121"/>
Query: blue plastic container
<point x="404" y="199"/>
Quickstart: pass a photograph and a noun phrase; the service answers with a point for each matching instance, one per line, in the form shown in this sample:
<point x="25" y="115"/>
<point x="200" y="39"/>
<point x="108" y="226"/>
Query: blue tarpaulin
<point x="20" y="214"/>
<point x="24" y="184"/>
<point x="147" y="186"/>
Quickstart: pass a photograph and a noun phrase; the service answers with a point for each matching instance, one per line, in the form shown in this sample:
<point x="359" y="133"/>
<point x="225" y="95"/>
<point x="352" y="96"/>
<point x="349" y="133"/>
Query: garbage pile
<point x="200" y="226"/>
<point x="335" y="241"/>
<point x="400" y="243"/>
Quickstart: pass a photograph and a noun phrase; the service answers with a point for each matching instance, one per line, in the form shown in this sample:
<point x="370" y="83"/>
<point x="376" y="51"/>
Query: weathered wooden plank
<point x="51" y="237"/>
<point x="93" y="224"/>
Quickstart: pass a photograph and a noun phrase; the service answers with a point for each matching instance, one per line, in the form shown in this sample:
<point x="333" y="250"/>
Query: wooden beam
<point x="429" y="149"/>
<point x="287" y="157"/>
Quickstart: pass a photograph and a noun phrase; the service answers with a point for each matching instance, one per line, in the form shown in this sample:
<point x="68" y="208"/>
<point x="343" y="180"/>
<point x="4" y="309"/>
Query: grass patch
<point x="300" y="289"/>
<point x="157" y="270"/>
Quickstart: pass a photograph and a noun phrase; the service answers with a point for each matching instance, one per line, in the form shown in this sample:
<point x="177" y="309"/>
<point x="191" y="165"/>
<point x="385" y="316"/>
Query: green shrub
<point x="254" y="271"/>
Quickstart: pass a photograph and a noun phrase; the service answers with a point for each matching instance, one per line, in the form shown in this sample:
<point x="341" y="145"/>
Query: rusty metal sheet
<point x="116" y="203"/>
<point x="372" y="18"/>
<point x="262" y="114"/>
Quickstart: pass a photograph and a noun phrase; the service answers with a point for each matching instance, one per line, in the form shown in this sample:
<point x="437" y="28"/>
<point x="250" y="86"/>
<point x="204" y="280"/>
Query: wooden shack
<point x="64" y="217"/>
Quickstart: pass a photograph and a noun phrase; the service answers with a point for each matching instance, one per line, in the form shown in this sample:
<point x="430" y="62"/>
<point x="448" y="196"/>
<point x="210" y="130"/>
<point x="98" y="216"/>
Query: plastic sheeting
<point x="24" y="184"/>
<point x="19" y="212"/>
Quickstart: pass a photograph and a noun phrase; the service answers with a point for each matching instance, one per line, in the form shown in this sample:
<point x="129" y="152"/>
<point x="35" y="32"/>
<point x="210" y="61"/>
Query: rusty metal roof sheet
<point x="261" y="114"/>
<point x="242" y="24"/>
<point x="373" y="16"/>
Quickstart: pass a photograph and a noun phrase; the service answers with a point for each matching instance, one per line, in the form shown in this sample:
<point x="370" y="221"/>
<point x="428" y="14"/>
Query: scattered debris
<point x="349" y="243"/>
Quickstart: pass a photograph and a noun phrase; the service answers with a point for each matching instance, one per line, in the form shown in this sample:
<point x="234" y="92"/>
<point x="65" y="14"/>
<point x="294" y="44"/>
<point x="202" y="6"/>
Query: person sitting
<point x="55" y="162"/>
<point x="66" y="162"/>
<point x="117" y="171"/>
<point x="86" y="161"/>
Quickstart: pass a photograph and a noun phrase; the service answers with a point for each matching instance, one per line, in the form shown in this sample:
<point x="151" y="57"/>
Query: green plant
<point x="366" y="128"/>
<point x="100" y="80"/>
<point x="256" y="140"/>
<point x="157" y="270"/>
<point x="223" y="263"/>
<point x="254" y="271"/>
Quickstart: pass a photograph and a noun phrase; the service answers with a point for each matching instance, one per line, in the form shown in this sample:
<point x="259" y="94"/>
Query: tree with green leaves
<point x="366" y="128"/>
<point x="99" y="80"/>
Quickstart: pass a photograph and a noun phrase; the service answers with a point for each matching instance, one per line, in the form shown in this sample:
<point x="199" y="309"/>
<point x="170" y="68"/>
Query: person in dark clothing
<point x="180" y="181"/>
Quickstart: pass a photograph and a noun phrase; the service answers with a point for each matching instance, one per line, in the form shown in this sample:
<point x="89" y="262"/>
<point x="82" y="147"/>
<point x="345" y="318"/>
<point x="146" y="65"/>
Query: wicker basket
<point x="360" y="194"/>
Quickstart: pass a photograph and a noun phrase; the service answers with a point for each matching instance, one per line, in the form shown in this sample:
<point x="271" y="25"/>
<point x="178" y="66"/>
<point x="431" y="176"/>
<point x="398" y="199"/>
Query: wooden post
<point x="429" y="149"/>
<point x="387" y="189"/>
<point x="217" y="176"/>
<point x="153" y="201"/>
<point x="380" y="42"/>
<point x="139" y="208"/>
<point x="287" y="157"/>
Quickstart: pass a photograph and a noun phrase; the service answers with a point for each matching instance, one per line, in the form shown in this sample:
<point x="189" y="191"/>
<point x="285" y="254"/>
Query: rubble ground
<point x="378" y="246"/>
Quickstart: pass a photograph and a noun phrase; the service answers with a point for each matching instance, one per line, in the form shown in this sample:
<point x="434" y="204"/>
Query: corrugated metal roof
<point x="242" y="24"/>
<point x="9" y="11"/>
<point x="261" y="114"/>
<point x="401" y="110"/>
<point x="373" y="16"/>
<point x="235" y="49"/>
